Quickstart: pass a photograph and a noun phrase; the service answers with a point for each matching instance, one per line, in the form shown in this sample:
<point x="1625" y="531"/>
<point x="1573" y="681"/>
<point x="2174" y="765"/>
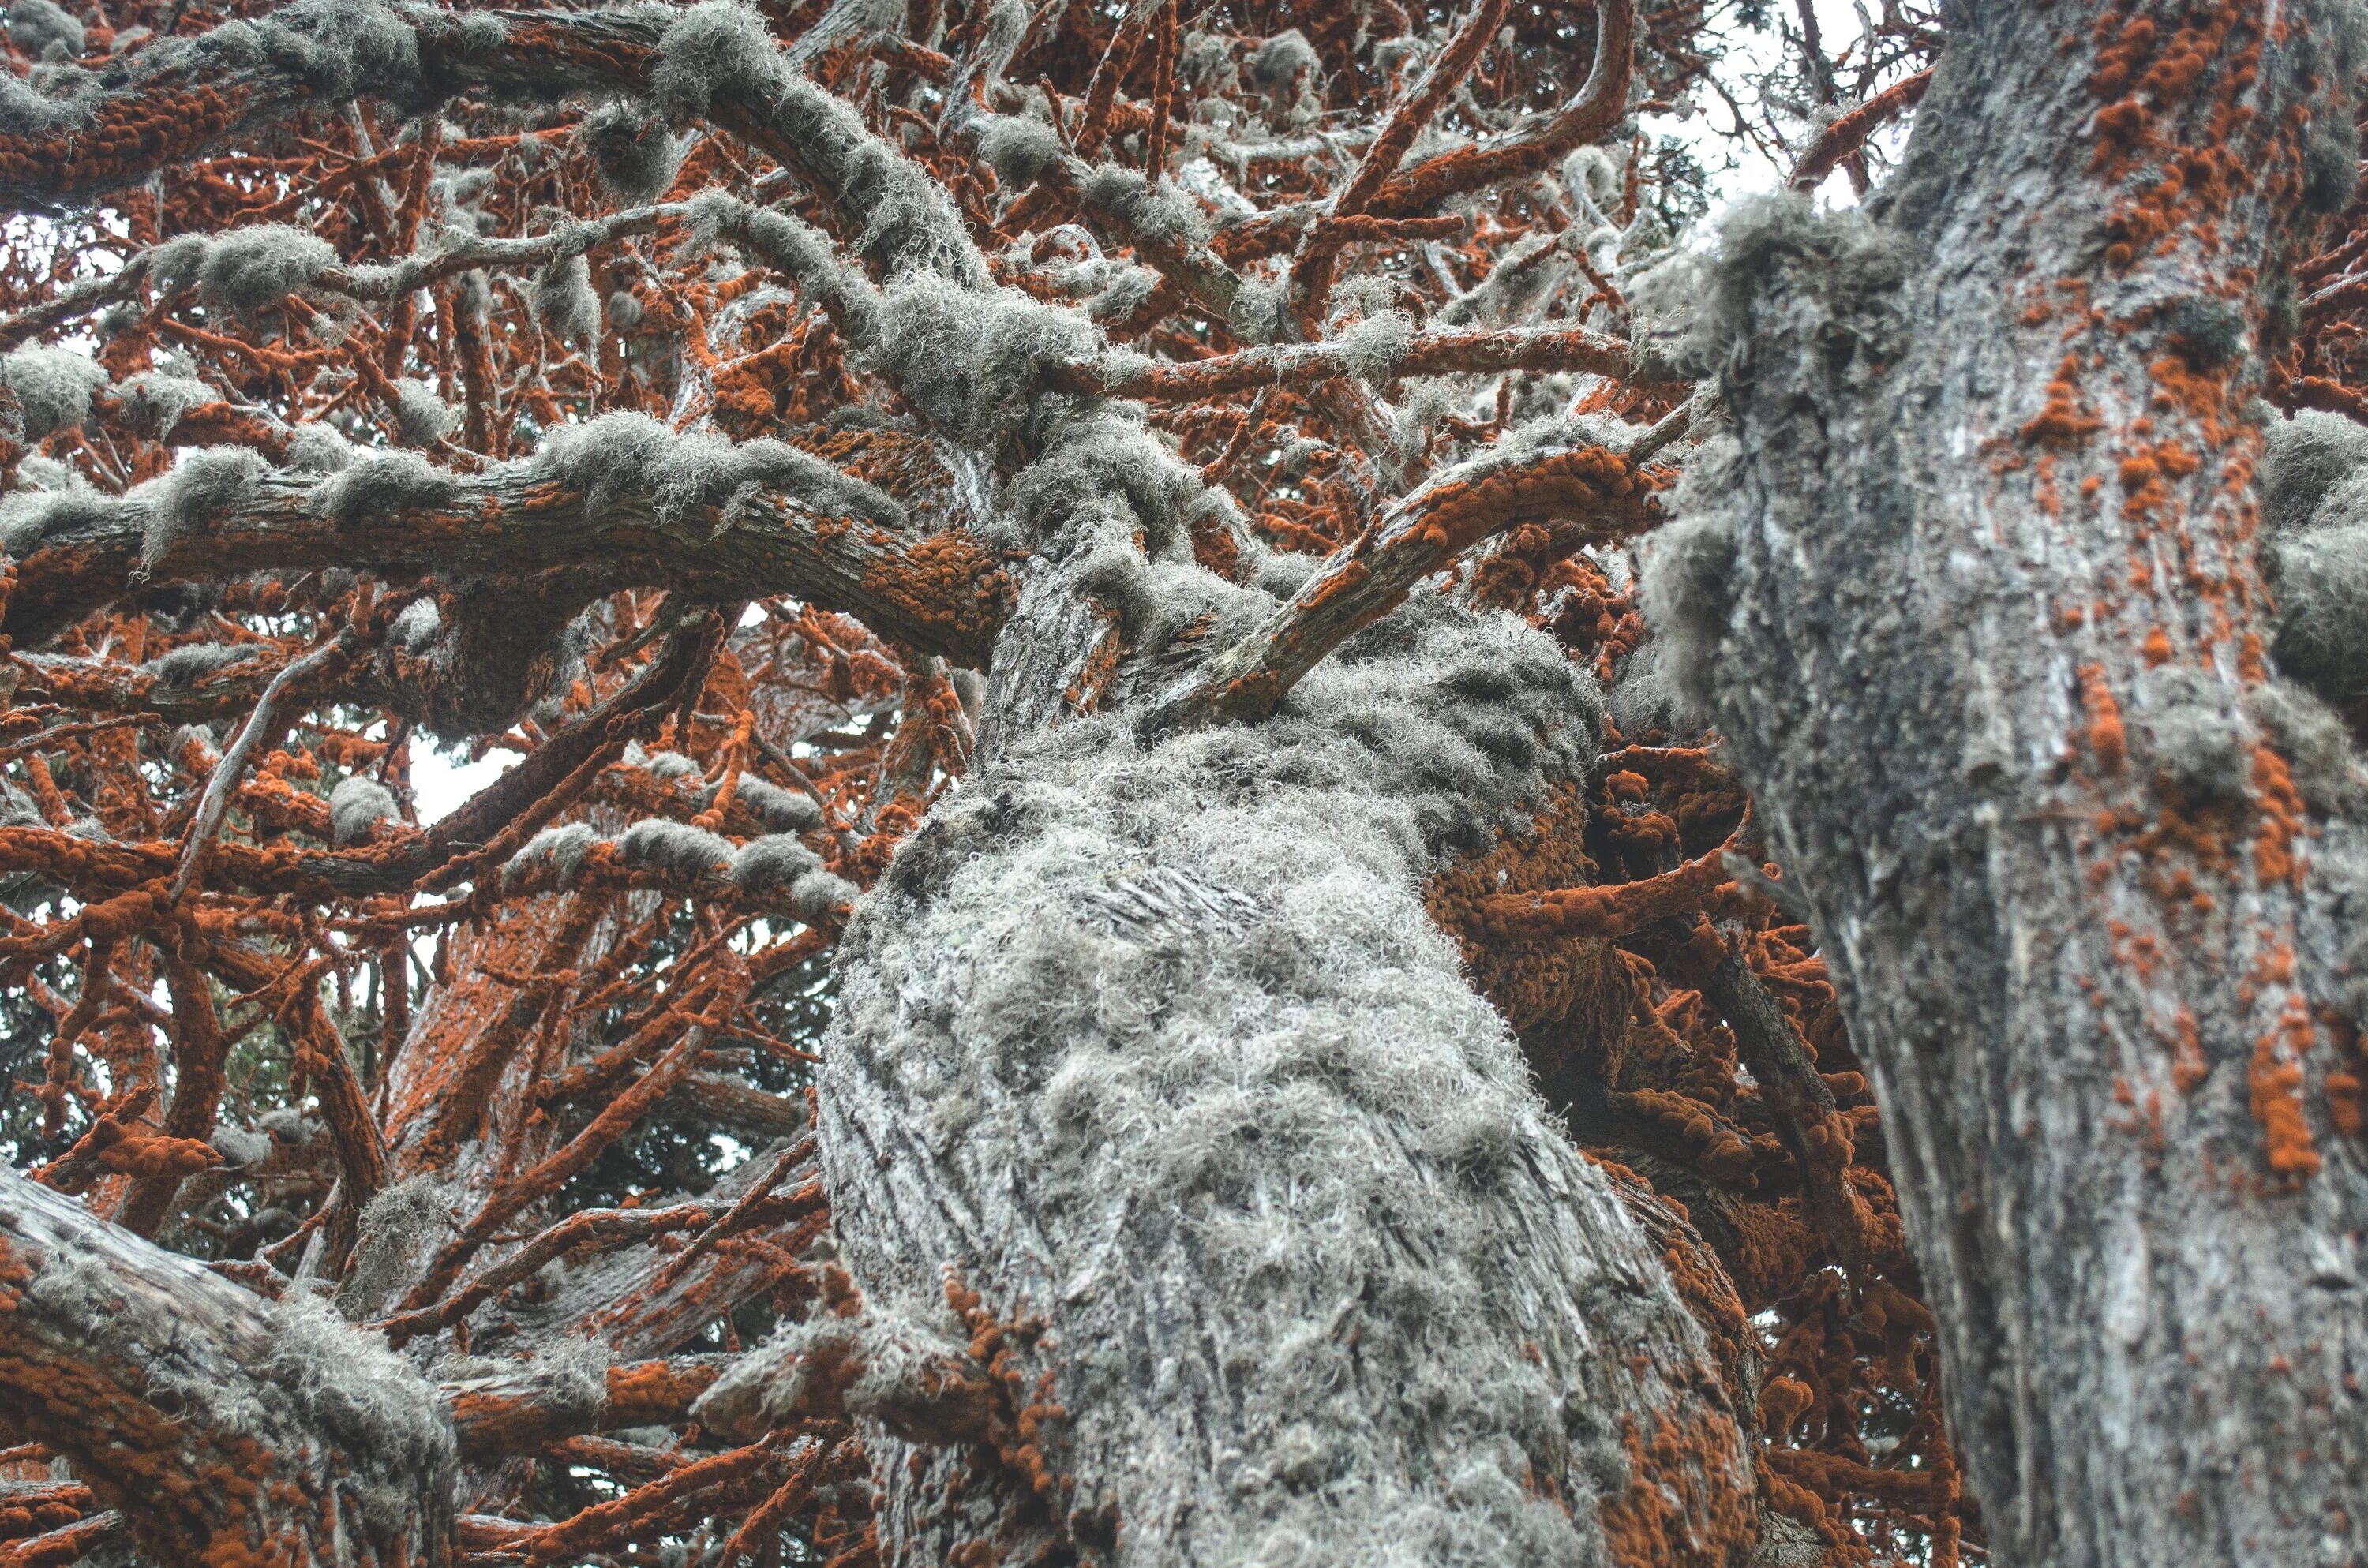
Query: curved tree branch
<point x="1528" y="478"/>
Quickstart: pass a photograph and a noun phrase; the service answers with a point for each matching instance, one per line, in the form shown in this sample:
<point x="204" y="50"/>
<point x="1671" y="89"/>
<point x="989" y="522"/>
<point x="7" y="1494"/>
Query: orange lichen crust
<point x="1683" y="1504"/>
<point x="1532" y="984"/>
<point x="2274" y="1081"/>
<point x="951" y="584"/>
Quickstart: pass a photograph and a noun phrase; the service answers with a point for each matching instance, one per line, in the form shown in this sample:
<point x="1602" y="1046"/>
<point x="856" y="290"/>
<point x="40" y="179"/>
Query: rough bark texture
<point x="1973" y="591"/>
<point x="228" y="1430"/>
<point x="1157" y="1052"/>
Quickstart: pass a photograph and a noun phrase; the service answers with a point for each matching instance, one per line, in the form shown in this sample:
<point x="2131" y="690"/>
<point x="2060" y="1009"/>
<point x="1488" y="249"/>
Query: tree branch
<point x="945" y="592"/>
<point x="221" y="1424"/>
<point x="1527" y="478"/>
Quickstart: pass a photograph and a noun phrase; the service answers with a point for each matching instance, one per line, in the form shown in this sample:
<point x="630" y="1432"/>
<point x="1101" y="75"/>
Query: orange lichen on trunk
<point x="1683" y="1504"/>
<point x="2280" y="822"/>
<point x="2061" y="423"/>
<point x="2108" y="741"/>
<point x="2274" y="1080"/>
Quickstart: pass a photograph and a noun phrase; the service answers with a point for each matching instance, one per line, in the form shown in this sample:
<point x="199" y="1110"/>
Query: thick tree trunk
<point x="1242" y="1190"/>
<point x="1974" y="598"/>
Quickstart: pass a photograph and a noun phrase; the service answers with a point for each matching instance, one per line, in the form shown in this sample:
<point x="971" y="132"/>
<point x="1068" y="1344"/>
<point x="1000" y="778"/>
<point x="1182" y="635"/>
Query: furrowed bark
<point x="1980" y="614"/>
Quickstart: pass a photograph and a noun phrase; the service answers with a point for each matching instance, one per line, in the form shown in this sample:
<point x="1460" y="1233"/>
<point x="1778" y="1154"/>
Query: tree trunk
<point x="1973" y="595"/>
<point x="1240" y="1188"/>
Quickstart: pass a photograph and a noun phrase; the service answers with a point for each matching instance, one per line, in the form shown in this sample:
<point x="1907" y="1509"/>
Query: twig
<point x="214" y="805"/>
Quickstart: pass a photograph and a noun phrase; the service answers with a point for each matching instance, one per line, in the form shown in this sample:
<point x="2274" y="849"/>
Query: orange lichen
<point x="1782" y="1402"/>
<point x="2061" y="423"/>
<point x="949" y="583"/>
<point x="2107" y="740"/>
<point x="2189" y="1066"/>
<point x="2274" y="1079"/>
<point x="2280" y="823"/>
<point x="1531" y="985"/>
<point x="1684" y="1504"/>
<point x="2344" y="1103"/>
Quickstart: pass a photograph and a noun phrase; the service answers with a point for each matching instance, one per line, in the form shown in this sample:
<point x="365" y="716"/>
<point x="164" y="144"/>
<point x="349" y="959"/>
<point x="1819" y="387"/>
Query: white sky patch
<point x="441" y="782"/>
<point x="1704" y="122"/>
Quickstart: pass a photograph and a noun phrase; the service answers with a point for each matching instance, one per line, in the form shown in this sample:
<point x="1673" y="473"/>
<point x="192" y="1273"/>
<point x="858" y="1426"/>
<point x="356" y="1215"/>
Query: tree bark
<point x="1239" y="1190"/>
<point x="226" y="1428"/>
<point x="1973" y="595"/>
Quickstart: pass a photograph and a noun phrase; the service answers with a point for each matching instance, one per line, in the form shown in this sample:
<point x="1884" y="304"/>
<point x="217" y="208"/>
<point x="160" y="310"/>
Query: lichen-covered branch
<point x="1541" y="476"/>
<point x="220" y="1425"/>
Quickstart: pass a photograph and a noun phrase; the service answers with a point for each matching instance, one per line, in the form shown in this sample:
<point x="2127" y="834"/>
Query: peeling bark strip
<point x="226" y="1429"/>
<point x="1974" y="596"/>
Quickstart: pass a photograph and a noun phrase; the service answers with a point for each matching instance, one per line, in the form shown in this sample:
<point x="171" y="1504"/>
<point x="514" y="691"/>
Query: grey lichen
<point x="1128" y="289"/>
<point x="2320" y="575"/>
<point x="1834" y="275"/>
<point x="972" y="363"/>
<point x="1110" y="467"/>
<point x="784" y="811"/>
<point x="880" y="1363"/>
<point x="49" y="504"/>
<point x="240" y="1147"/>
<point x="347" y="1383"/>
<point x="345" y="48"/>
<point x="356" y="805"/>
<point x="1376" y="344"/>
<point x="564" y="301"/>
<point x="1159" y="212"/>
<point x="560" y="850"/>
<point x="1279" y="60"/>
<point x="2315" y="514"/>
<point x="714" y="47"/>
<point x="2327" y="765"/>
<point x="2303" y="460"/>
<point x="245" y="269"/>
<point x="774" y="862"/>
<point x="818" y="894"/>
<point x="721" y="48"/>
<point x="682" y="475"/>
<point x="290" y="1387"/>
<point x="56" y="97"/>
<point x="418" y="627"/>
<point x="35" y="25"/>
<point x="396" y="1230"/>
<point x="678" y="847"/>
<point x="2188" y="733"/>
<point x="1021" y="149"/>
<point x="636" y="154"/>
<point x="1288" y="1194"/>
<point x="205" y="483"/>
<point x="1686" y="577"/>
<point x="378" y="484"/>
<point x="52" y="386"/>
<point x="154" y="401"/>
<point x="187" y="665"/>
<point x="421" y="415"/>
<point x="316" y="448"/>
